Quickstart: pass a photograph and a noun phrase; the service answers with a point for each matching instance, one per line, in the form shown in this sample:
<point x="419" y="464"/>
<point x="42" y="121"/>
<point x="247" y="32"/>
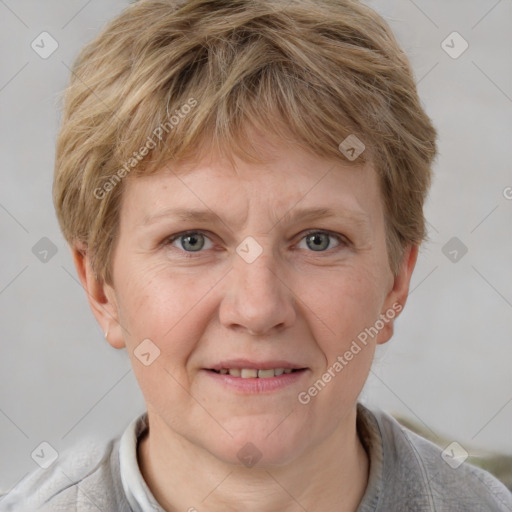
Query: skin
<point x="293" y="303"/>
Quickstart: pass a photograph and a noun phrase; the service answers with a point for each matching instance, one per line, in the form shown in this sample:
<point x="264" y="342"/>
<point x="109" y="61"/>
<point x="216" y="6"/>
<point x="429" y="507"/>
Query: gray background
<point x="448" y="366"/>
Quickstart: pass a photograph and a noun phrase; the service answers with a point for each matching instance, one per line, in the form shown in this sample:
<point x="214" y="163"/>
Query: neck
<point x="332" y="475"/>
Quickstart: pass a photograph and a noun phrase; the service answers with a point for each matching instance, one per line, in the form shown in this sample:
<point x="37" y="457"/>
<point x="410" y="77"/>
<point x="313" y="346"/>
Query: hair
<point x="165" y="80"/>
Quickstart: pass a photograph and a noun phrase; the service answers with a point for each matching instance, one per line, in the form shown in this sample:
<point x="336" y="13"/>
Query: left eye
<point x="319" y="241"/>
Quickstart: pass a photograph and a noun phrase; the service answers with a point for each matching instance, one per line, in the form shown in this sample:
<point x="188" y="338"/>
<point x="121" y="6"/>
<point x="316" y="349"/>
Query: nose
<point x="257" y="299"/>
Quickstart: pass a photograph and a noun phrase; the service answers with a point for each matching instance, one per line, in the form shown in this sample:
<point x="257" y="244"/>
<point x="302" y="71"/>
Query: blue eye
<point x="319" y="241"/>
<point x="192" y="241"/>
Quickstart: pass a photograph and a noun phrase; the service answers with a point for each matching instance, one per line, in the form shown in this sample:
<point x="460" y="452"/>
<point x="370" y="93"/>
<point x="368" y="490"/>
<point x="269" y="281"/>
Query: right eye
<point x="190" y="241"/>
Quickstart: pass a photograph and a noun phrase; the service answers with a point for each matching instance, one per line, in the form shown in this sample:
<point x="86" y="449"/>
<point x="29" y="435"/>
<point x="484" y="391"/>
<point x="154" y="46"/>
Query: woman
<point x="242" y="185"/>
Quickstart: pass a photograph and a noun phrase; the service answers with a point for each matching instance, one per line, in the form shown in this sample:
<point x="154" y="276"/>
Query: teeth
<point x="265" y="374"/>
<point x="252" y="373"/>
<point x="249" y="373"/>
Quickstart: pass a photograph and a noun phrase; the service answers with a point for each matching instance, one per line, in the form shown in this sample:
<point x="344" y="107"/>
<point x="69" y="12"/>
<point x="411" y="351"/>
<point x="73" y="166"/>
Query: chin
<point x="252" y="445"/>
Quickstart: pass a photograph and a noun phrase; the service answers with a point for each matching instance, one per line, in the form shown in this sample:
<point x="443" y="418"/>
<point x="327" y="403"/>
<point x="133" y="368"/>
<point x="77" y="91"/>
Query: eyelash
<point x="342" y="240"/>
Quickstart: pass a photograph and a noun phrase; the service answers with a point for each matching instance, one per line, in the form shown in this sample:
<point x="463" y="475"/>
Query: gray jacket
<point x="407" y="473"/>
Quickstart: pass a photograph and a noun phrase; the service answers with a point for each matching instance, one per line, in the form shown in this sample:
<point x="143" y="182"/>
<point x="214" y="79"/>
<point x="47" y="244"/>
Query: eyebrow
<point x="360" y="219"/>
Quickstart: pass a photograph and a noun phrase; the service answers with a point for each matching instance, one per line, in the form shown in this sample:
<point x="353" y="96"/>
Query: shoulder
<point x="83" y="478"/>
<point x="440" y="480"/>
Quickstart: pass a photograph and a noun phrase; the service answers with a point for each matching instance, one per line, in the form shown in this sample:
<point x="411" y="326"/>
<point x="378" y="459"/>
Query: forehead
<point x="286" y="180"/>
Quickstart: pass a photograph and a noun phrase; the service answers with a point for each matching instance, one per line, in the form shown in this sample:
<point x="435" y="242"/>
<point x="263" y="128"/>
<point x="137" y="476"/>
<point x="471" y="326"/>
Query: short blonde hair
<point x="163" y="78"/>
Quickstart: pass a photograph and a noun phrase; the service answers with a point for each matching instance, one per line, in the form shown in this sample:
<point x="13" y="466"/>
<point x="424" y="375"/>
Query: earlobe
<point x="101" y="298"/>
<point x="397" y="296"/>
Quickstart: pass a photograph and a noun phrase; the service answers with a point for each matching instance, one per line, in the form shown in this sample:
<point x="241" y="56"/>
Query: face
<point x="275" y="266"/>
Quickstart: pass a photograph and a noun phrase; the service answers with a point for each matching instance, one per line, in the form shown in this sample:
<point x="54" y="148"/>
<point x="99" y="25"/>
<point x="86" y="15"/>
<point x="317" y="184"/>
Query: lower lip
<point x="257" y="385"/>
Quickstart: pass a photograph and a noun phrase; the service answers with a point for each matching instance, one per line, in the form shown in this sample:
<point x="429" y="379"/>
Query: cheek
<point x="344" y="303"/>
<point x="345" y="307"/>
<point x="167" y="308"/>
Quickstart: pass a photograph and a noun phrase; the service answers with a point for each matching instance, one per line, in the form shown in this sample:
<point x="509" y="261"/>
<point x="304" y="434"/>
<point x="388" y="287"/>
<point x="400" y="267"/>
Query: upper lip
<point x="261" y="365"/>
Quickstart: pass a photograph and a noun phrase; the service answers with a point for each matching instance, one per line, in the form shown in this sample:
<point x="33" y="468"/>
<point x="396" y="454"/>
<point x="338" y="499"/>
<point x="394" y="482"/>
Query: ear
<point x="101" y="297"/>
<point x="397" y="296"/>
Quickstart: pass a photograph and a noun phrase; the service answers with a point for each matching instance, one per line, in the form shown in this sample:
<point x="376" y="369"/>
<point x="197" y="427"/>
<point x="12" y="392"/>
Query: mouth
<point x="256" y="373"/>
<point x="244" y="368"/>
<point x="248" y="377"/>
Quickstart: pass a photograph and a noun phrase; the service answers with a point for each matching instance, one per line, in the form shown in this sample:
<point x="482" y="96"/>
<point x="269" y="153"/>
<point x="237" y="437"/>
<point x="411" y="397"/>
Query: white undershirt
<point x="137" y="492"/>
